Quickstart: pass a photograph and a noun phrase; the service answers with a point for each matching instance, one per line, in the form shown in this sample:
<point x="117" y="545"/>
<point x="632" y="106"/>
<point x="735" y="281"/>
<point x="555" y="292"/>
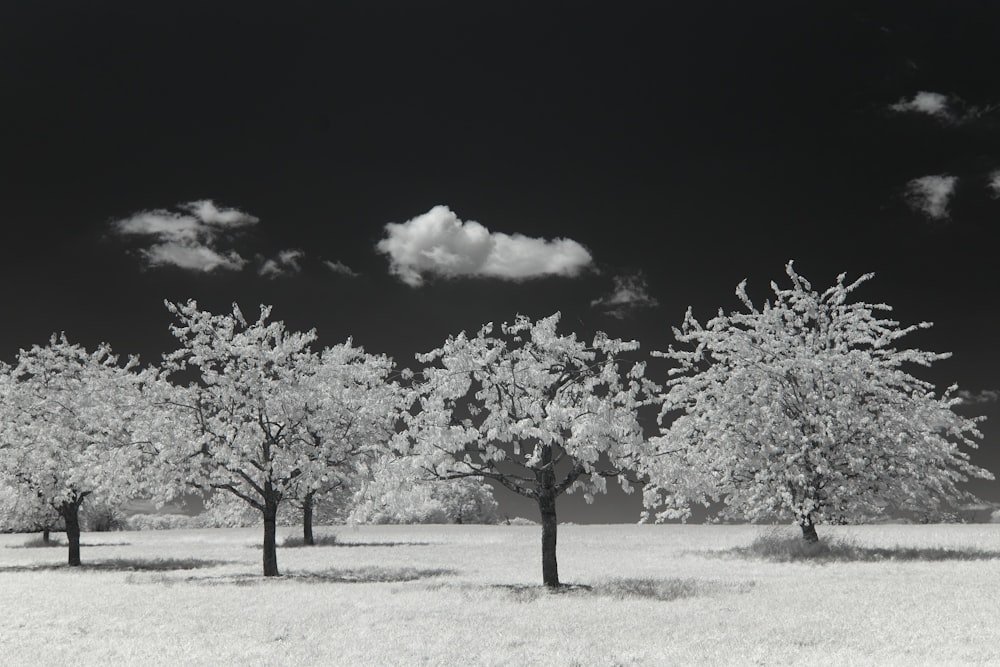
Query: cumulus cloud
<point x="285" y="262"/>
<point x="190" y="237"/>
<point x="930" y="195"/>
<point x="979" y="397"/>
<point x="438" y="243"/>
<point x="341" y="268"/>
<point x="630" y="293"/>
<point x="925" y="102"/>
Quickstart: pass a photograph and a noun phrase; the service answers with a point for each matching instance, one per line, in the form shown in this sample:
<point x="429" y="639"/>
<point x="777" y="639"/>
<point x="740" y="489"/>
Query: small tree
<point x="256" y="423"/>
<point x="394" y="492"/>
<point x="350" y="410"/>
<point x="532" y="410"/>
<point x="23" y="511"/>
<point x="806" y="409"/>
<point x="67" y="431"/>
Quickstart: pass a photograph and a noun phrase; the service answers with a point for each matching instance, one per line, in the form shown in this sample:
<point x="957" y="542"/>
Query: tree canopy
<point x="539" y="412"/>
<point x="70" y="430"/>
<point x="806" y="408"/>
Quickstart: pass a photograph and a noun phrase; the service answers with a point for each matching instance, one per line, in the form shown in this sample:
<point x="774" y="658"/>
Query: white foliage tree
<point x="351" y="407"/>
<point x="257" y="419"/>
<point x="805" y="408"/>
<point x="538" y="412"/>
<point x="396" y="492"/>
<point x="22" y="511"/>
<point x="71" y="430"/>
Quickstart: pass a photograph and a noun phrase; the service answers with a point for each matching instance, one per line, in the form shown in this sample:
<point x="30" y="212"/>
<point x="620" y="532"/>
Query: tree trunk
<point x="307" y="520"/>
<point x="547" y="508"/>
<point x="809" y="531"/>
<point x="545" y="476"/>
<point x="270" y="521"/>
<point x="71" y="515"/>
<point x="46" y="540"/>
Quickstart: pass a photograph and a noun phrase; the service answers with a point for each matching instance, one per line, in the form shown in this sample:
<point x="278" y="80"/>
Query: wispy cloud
<point x="284" y="263"/>
<point x="945" y="108"/>
<point x="979" y="397"/>
<point x="629" y="293"/>
<point x="190" y="237"/>
<point x="930" y="195"/>
<point x="438" y="243"/>
<point x="341" y="268"/>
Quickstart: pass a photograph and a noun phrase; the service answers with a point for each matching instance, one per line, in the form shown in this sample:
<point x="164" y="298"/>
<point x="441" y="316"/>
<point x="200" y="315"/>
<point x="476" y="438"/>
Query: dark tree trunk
<point x="809" y="531"/>
<point x="46" y="540"/>
<point x="270" y="521"/>
<point x="307" y="520"/>
<point x="547" y="508"/>
<point x="71" y="515"/>
<point x="546" y="478"/>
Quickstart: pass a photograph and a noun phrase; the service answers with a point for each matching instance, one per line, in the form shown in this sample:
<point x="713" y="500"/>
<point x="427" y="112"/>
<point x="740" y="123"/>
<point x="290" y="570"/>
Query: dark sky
<point x="681" y="147"/>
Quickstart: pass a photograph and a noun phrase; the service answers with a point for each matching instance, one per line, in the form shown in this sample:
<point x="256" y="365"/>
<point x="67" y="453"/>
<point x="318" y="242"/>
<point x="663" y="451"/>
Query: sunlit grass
<point x="471" y="595"/>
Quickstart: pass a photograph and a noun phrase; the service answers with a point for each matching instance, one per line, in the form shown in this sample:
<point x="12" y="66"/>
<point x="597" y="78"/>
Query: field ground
<point x="454" y="595"/>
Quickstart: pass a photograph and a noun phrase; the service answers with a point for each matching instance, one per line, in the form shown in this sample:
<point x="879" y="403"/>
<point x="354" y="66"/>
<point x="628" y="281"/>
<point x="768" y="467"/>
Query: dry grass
<point x="443" y="595"/>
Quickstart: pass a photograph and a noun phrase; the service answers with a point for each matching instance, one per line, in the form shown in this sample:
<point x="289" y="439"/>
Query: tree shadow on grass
<point x="663" y="590"/>
<point x="39" y="544"/>
<point x="332" y="541"/>
<point x="784" y="548"/>
<point x="361" y="575"/>
<point x="122" y="565"/>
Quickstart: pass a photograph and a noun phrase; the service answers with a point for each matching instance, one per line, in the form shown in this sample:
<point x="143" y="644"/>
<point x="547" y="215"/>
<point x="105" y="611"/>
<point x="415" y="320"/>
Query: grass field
<point x="454" y="595"/>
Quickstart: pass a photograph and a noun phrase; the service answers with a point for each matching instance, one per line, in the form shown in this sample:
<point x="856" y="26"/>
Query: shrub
<point x="520" y="521"/>
<point x="38" y="541"/>
<point x="318" y="540"/>
<point x="102" y="518"/>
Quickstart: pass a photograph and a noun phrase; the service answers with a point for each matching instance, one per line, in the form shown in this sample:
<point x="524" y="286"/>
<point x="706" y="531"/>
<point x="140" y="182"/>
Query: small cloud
<point x="285" y="262"/>
<point x="438" y="243"/>
<point x="979" y="397"/>
<point x="194" y="257"/>
<point x="189" y="237"/>
<point x="925" y="102"/>
<point x="994" y="183"/>
<point x="945" y="108"/>
<point x="206" y="211"/>
<point x="341" y="268"/>
<point x="930" y="195"/>
<point x="630" y="293"/>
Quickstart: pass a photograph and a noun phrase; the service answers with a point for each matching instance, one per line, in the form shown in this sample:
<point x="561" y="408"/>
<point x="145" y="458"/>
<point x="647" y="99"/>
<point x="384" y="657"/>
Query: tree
<point x="23" y="511"/>
<point x="532" y="410"/>
<point x="394" y="492"/>
<point x="69" y="430"/>
<point x="255" y="417"/>
<point x="350" y="410"/>
<point x="805" y="408"/>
